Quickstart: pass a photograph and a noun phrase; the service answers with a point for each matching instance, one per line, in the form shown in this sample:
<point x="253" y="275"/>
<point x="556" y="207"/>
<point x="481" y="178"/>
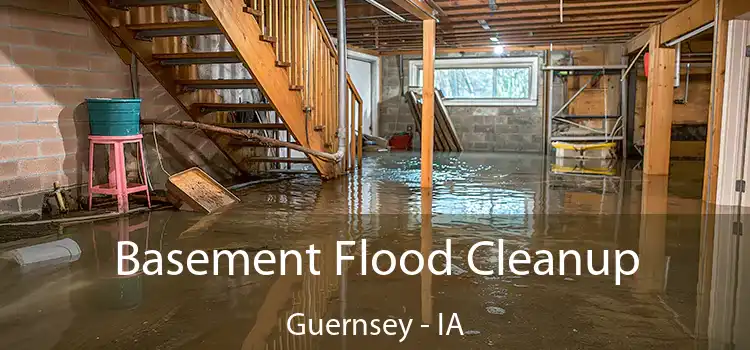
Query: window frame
<point x="493" y="62"/>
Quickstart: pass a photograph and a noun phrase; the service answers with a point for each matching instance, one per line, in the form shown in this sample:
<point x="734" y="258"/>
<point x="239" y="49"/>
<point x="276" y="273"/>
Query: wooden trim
<point x="428" y="101"/>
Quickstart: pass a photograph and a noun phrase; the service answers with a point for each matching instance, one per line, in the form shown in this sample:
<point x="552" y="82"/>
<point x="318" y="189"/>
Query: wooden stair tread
<point x="186" y="58"/>
<point x="147" y="3"/>
<point x="184" y="28"/>
<point x="233" y="107"/>
<point x="254" y="126"/>
<point x="218" y="84"/>
<point x="280" y="159"/>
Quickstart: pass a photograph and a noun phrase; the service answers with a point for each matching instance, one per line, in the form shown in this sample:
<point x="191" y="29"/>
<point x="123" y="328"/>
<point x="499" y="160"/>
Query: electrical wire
<point x="158" y="154"/>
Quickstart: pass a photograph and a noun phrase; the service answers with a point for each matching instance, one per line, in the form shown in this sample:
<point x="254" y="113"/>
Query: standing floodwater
<point x="523" y="200"/>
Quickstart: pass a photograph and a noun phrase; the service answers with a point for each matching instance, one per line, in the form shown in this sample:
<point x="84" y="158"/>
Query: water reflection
<point x="687" y="293"/>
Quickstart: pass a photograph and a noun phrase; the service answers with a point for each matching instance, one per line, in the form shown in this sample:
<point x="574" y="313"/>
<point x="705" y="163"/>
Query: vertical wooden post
<point x="426" y="249"/>
<point x="659" y="102"/>
<point x="716" y="108"/>
<point x="428" y="100"/>
<point x="652" y="237"/>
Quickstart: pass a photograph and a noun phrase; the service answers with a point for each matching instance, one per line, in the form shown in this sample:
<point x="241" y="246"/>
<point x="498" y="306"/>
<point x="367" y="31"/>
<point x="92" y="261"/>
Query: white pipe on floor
<point x="64" y="250"/>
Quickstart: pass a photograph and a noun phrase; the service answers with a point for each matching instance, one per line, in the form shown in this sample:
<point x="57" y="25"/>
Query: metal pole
<point x="677" y="65"/>
<point x="341" y="27"/>
<point x="624" y="114"/>
<point x="550" y="100"/>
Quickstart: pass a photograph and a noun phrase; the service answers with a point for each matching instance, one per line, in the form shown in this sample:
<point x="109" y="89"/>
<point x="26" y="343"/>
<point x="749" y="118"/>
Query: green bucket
<point x="114" y="116"/>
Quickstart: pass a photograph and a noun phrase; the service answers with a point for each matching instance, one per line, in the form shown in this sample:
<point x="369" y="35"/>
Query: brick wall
<point x="52" y="58"/>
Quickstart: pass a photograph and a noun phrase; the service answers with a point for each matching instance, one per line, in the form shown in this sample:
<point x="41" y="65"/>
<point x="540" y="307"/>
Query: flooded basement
<point x="687" y="293"/>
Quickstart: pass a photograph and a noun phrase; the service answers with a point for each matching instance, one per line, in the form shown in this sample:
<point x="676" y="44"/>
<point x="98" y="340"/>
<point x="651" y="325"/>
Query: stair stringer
<point x="259" y="57"/>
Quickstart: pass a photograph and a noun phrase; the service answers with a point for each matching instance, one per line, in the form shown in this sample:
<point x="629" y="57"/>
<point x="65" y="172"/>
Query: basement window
<point x="497" y="81"/>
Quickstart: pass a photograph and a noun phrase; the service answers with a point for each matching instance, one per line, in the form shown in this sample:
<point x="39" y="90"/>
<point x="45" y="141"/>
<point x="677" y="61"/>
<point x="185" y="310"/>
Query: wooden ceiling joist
<point x="514" y="22"/>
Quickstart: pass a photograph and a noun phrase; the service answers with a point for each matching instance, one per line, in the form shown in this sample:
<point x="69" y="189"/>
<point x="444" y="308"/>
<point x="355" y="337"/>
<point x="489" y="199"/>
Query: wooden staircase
<point x="286" y="86"/>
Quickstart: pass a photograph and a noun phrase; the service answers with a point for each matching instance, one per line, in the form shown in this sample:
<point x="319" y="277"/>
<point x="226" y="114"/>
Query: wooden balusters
<point x="263" y="14"/>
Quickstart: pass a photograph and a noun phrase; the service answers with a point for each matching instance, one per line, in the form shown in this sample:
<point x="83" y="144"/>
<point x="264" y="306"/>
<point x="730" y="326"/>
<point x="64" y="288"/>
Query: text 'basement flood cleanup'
<point x="382" y="262"/>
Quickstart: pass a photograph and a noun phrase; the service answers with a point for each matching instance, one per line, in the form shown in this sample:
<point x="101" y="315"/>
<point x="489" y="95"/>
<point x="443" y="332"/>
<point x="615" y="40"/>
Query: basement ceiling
<point x="472" y="23"/>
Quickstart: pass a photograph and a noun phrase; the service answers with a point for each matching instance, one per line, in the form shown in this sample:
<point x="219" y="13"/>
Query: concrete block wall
<point x="52" y="57"/>
<point x="480" y="128"/>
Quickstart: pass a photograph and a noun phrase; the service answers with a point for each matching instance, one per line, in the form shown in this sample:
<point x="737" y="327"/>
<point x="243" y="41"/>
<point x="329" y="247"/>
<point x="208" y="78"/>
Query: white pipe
<point x="343" y="88"/>
<point x="388" y="11"/>
<point x="64" y="250"/>
<point x="690" y="35"/>
<point x="677" y="65"/>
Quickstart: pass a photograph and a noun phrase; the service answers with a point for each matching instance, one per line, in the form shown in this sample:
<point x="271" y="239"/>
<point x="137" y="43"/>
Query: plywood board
<point x="199" y="191"/>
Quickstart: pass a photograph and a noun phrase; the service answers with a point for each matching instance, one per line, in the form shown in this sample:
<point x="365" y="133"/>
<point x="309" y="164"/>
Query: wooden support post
<point x="426" y="249"/>
<point x="659" y="102"/>
<point x="652" y="238"/>
<point x="428" y="100"/>
<point x="716" y="114"/>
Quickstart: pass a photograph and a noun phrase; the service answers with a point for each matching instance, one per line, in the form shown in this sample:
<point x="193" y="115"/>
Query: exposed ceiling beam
<point x="418" y="8"/>
<point x="557" y="31"/>
<point x="685" y="19"/>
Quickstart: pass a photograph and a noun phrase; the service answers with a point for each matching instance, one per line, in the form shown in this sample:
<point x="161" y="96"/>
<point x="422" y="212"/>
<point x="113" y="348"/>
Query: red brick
<point x="92" y="44"/>
<point x="102" y="80"/>
<point x="33" y="95"/>
<point x="40" y="21"/>
<point x="44" y="8"/>
<point x="51" y="148"/>
<point x="71" y="96"/>
<point x="52" y="113"/>
<point x="4" y="18"/>
<point x="70" y="130"/>
<point x="70" y="25"/>
<point x="12" y="114"/>
<point x="6" y="94"/>
<point x="16" y="36"/>
<point x="8" y="170"/>
<point x="113" y="93"/>
<point x="33" y="57"/>
<point x="51" y="40"/>
<point x="5" y="57"/>
<point x="16" y="76"/>
<point x="72" y="60"/>
<point x="75" y="161"/>
<point x="55" y="77"/>
<point x="76" y="10"/>
<point x="16" y="186"/>
<point x="10" y="133"/>
<point x="107" y="64"/>
<point x="11" y="151"/>
<point x="40" y="165"/>
<point x="37" y="131"/>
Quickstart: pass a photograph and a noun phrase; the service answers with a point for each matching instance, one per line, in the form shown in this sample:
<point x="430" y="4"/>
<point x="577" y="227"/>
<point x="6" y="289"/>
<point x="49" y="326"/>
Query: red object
<point x="118" y="183"/>
<point x="646" y="59"/>
<point x="400" y="142"/>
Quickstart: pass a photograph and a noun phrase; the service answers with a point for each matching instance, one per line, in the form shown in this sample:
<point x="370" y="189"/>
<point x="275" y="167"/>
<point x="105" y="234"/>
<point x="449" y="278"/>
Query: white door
<point x="361" y="74"/>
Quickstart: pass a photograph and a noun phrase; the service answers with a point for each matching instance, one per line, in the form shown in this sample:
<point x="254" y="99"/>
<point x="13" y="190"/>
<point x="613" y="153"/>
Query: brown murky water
<point x="690" y="291"/>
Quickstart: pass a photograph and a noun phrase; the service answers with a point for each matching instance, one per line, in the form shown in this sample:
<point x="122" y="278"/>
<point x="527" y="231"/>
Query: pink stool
<point x="118" y="183"/>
